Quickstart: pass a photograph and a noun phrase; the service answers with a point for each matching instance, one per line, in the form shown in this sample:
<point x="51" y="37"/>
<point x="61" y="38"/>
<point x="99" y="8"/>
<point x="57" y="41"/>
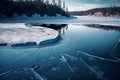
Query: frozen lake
<point x="84" y="52"/>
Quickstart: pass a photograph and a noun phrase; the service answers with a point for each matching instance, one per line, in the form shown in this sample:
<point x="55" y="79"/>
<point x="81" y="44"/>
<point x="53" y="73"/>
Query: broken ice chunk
<point x="37" y="76"/>
<point x="63" y="59"/>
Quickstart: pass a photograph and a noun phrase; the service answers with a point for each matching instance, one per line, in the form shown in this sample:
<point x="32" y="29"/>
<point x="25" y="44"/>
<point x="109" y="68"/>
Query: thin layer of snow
<point x="20" y="33"/>
<point x="37" y="16"/>
<point x="64" y="20"/>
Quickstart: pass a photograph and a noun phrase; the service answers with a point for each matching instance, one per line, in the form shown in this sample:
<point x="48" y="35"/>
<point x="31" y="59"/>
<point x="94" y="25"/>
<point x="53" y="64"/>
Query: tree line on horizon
<point x="106" y="11"/>
<point x="31" y="7"/>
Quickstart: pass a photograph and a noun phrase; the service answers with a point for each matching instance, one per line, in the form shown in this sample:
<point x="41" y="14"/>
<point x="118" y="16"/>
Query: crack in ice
<point x="116" y="45"/>
<point x="101" y="58"/>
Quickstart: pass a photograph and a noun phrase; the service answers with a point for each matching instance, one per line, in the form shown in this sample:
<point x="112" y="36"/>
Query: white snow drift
<point x="20" y="33"/>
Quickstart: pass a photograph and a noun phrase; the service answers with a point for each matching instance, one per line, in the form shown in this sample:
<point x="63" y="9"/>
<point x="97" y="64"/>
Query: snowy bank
<point x="37" y="16"/>
<point x="19" y="34"/>
<point x="36" y="19"/>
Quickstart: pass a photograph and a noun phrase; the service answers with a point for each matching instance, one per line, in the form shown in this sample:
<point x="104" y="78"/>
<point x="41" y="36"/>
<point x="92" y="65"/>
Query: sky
<point x="81" y="5"/>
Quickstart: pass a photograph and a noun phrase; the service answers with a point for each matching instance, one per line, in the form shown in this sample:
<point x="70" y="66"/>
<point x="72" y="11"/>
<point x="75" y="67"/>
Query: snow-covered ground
<point x="20" y="33"/>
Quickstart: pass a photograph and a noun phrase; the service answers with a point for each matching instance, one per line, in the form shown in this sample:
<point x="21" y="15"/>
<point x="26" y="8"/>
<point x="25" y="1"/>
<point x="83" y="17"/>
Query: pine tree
<point x="53" y="1"/>
<point x="59" y="3"/>
<point x="47" y="2"/>
<point x="66" y="9"/>
<point x="64" y="5"/>
<point x="42" y="1"/>
<point x="37" y="0"/>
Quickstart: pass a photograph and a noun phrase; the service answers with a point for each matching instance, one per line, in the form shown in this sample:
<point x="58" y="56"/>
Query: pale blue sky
<point x="88" y="4"/>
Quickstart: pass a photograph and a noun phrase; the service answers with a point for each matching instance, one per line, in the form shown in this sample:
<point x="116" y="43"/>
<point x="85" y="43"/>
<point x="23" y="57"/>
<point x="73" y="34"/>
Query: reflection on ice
<point x="52" y="26"/>
<point x="104" y="26"/>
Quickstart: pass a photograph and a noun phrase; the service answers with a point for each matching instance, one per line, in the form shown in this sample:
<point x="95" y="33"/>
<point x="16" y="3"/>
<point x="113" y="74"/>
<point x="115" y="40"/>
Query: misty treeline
<point x="31" y="7"/>
<point x="107" y="11"/>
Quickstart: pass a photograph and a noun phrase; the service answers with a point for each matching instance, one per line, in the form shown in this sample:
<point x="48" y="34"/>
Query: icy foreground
<point x="83" y="54"/>
<point x="20" y="33"/>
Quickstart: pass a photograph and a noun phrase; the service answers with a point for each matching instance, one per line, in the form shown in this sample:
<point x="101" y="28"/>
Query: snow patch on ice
<point x="20" y="33"/>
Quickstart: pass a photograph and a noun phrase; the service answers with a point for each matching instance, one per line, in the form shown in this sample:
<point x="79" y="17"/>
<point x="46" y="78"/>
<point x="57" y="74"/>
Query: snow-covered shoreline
<point x="35" y="16"/>
<point x="36" y="19"/>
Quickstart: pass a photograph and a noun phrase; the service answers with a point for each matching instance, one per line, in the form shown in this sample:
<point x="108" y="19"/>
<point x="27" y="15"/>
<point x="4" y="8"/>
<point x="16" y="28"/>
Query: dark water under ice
<point x="83" y="53"/>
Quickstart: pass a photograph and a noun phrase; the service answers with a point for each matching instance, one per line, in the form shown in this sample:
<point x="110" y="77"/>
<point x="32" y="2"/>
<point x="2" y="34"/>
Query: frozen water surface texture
<point x="82" y="48"/>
